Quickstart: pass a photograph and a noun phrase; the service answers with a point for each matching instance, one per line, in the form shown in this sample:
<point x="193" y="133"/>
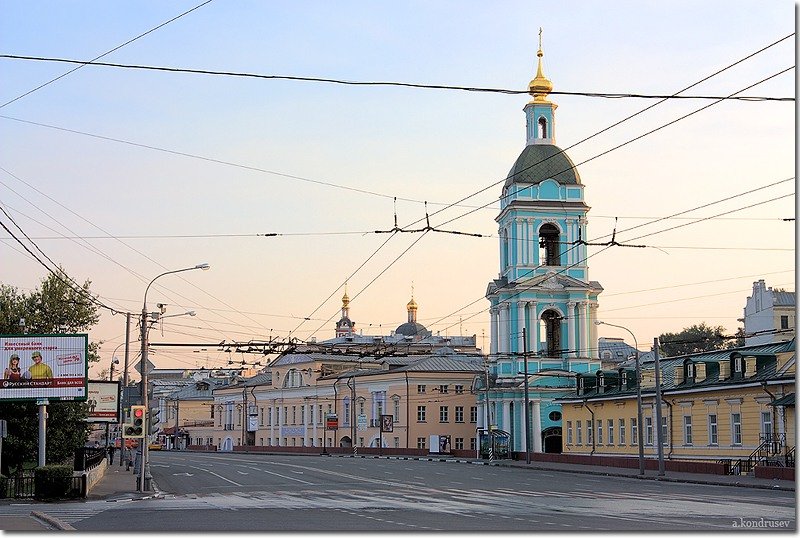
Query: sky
<point x="121" y="174"/>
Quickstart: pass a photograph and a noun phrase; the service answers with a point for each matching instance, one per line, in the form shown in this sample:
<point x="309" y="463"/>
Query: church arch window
<point x="551" y="329"/>
<point x="542" y="127"/>
<point x="549" y="244"/>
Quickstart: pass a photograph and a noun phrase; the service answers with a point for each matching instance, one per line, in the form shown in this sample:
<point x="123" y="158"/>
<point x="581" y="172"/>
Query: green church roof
<point x="538" y="162"/>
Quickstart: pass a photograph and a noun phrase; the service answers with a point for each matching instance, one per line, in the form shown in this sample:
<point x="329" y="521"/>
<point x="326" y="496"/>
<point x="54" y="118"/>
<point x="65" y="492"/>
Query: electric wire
<point x="84" y="64"/>
<point x="606" y="95"/>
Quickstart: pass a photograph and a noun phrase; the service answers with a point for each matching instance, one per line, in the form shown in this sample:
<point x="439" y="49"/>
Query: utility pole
<point x="659" y="432"/>
<point x="176" y="441"/>
<point x="527" y="398"/>
<point x="488" y="415"/>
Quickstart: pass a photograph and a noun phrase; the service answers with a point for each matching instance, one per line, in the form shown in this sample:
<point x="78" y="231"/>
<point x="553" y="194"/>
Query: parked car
<point x="155" y="446"/>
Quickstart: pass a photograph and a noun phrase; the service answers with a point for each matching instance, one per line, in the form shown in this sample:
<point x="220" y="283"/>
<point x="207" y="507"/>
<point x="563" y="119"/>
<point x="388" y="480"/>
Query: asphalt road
<point x="238" y="492"/>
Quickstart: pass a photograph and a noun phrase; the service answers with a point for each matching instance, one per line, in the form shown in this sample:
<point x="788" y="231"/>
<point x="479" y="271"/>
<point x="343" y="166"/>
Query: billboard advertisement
<point x="103" y="400"/>
<point x="44" y="366"/>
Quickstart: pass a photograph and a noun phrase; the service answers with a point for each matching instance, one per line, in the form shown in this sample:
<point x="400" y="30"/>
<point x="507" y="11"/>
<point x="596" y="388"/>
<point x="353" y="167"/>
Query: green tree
<point x="694" y="339"/>
<point x="54" y="307"/>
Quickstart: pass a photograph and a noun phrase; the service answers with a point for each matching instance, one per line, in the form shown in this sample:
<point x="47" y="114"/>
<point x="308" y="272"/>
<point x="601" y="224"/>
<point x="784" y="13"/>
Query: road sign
<point x="361" y="423"/>
<point x="150" y="367"/>
<point x="387" y="423"/>
<point x="331" y="422"/>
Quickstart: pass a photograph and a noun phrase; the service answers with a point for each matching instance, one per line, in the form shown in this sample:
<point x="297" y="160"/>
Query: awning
<point x="786" y="401"/>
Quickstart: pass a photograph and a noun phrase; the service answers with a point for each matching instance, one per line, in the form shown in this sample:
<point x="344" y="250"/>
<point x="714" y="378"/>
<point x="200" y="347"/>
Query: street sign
<point x="150" y="367"/>
<point x="387" y="423"/>
<point x="331" y="422"/>
<point x="361" y="423"/>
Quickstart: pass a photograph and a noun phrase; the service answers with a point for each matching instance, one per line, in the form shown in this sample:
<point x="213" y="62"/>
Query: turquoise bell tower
<point x="543" y="286"/>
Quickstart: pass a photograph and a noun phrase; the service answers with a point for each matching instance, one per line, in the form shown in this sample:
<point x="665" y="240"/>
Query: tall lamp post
<point x="144" y="477"/>
<point x="639" y="424"/>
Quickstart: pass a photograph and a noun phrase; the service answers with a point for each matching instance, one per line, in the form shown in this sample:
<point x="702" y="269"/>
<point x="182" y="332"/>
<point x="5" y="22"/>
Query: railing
<point x="24" y="487"/>
<point x="87" y="458"/>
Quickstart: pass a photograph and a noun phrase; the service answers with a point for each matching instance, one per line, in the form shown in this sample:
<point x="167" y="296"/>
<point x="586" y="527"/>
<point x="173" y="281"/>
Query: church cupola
<point x="345" y="327"/>
<point x="540" y="112"/>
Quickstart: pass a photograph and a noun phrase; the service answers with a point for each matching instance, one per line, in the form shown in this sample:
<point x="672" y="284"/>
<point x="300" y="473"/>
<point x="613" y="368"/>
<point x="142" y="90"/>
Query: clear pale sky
<point x="131" y="212"/>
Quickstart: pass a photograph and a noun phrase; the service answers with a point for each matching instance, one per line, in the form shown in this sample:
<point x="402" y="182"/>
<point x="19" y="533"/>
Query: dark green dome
<point x="538" y="162"/>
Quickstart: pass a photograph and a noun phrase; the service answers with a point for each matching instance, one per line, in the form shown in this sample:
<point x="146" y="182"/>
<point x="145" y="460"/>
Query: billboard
<point x="103" y="400"/>
<point x="44" y="366"/>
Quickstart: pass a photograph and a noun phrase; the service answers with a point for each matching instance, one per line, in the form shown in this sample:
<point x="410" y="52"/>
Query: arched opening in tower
<point x="549" y="245"/>
<point x="552" y="332"/>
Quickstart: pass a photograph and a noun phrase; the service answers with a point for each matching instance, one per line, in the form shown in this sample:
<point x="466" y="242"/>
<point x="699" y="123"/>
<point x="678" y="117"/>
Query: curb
<point x="52" y="521"/>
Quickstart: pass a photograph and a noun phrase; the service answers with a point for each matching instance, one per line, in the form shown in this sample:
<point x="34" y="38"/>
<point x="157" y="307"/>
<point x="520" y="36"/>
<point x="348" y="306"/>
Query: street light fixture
<point x="640" y="433"/>
<point x="144" y="478"/>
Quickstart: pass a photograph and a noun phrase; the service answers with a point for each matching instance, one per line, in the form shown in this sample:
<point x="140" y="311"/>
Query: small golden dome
<point x="412" y="304"/>
<point x="540" y="86"/>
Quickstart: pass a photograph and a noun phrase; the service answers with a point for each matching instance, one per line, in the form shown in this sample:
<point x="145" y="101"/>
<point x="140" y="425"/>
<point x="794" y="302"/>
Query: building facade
<point x="543" y="289"/>
<point x="769" y="315"/>
<point x="722" y="405"/>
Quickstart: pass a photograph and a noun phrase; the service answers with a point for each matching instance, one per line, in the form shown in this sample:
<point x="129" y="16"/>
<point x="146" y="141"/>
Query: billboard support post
<point x="42" y="435"/>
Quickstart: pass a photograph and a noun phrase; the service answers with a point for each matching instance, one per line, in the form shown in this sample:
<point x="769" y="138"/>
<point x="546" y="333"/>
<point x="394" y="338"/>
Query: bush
<point x="52" y="481"/>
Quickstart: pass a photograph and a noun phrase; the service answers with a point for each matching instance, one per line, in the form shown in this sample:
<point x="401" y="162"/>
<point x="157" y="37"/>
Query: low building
<point x="734" y="404"/>
<point x="303" y="393"/>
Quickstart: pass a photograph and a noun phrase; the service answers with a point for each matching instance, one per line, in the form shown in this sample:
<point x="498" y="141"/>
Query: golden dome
<point x="345" y="298"/>
<point x="540" y="86"/>
<point x="412" y="304"/>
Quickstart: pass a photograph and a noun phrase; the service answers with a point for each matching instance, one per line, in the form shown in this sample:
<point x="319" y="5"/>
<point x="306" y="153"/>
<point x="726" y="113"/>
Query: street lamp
<point x="144" y="478"/>
<point x="640" y="433"/>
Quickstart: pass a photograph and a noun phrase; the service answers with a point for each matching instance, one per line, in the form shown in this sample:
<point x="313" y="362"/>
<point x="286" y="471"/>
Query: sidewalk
<point x="116" y="484"/>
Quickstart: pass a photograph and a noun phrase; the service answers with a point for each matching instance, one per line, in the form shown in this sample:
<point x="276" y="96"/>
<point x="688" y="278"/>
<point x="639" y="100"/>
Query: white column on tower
<point x="585" y="328"/>
<point x="571" y="342"/>
<point x="536" y="426"/>
<point x="534" y="332"/>
<point x="494" y="315"/>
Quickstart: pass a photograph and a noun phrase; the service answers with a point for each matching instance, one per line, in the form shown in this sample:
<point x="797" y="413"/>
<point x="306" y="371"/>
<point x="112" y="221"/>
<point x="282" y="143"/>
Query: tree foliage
<point x="54" y="307"/>
<point x="694" y="339"/>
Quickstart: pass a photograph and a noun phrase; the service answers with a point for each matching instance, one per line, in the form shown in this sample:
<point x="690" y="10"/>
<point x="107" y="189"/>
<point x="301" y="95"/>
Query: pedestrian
<point x="111" y="450"/>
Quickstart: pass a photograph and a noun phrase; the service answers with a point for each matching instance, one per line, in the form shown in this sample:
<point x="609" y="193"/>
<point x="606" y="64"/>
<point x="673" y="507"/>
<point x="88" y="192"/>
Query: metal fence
<point x="24" y="487"/>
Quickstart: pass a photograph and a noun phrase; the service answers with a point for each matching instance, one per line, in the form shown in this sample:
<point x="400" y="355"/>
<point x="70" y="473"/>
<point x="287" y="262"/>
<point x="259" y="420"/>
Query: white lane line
<point x="215" y="474"/>
<point x="288" y="477"/>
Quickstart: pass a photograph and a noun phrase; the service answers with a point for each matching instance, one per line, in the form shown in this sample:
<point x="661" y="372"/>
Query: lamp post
<point x="639" y="425"/>
<point x="144" y="478"/>
<point x="527" y="398"/>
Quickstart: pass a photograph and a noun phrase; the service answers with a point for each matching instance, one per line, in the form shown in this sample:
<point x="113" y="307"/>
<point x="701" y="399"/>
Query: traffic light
<point x="136" y="428"/>
<point x="153" y="421"/>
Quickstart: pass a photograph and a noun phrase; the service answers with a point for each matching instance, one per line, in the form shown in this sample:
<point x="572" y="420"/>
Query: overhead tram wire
<point x="299" y="178"/>
<point x="58" y="272"/>
<point x="615" y="124"/>
<point x="601" y="131"/>
<point x="143" y="279"/>
<point x="530" y="271"/>
<point x="84" y="64"/>
<point x="618" y="146"/>
<point x="605" y="95"/>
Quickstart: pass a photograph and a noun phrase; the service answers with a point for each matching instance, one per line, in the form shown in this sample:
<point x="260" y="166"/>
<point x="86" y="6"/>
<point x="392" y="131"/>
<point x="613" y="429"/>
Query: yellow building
<point x="425" y="393"/>
<point x="735" y="405"/>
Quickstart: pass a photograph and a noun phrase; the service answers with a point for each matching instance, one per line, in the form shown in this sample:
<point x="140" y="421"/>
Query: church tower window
<point x="542" y="128"/>
<point x="552" y="331"/>
<point x="549" y="247"/>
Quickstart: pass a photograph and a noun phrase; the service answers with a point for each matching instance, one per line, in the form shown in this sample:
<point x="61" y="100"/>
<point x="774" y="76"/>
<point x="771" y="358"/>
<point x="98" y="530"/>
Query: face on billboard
<point x="44" y="367"/>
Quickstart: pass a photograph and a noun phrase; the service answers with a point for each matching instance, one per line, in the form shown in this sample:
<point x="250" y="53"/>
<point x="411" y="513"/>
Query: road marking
<point x="287" y="477"/>
<point x="215" y="474"/>
<point x="182" y="474"/>
<point x="241" y="472"/>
